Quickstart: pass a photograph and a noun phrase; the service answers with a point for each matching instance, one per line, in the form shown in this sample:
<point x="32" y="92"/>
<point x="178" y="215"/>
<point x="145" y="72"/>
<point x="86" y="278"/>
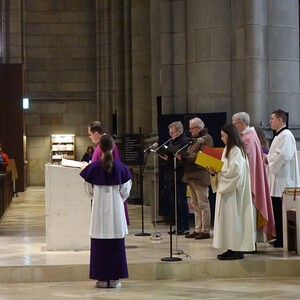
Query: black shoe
<point x="278" y="245"/>
<point x="271" y="242"/>
<point x="192" y="235"/>
<point x="238" y="255"/>
<point x="225" y="254"/>
<point x="235" y="255"/>
<point x="183" y="232"/>
<point x="202" y="236"/>
<point x="180" y="232"/>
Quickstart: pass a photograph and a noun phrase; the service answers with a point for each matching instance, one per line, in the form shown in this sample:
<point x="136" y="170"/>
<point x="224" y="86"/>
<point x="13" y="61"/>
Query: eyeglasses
<point x="192" y="128"/>
<point x="172" y="132"/>
<point x="235" y="123"/>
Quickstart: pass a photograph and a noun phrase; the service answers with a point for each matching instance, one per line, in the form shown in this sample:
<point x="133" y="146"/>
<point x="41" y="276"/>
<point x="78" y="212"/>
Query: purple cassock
<point x="108" y="255"/>
<point x="95" y="174"/>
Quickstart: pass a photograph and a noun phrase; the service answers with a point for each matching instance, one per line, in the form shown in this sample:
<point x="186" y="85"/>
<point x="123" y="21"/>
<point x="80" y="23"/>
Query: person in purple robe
<point x="95" y="132"/>
<point x="108" y="182"/>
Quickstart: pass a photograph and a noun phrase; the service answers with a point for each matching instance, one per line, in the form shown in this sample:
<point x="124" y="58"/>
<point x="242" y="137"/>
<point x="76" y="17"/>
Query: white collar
<point x="247" y="130"/>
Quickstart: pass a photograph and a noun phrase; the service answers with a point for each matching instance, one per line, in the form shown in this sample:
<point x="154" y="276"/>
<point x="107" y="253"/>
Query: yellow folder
<point x="207" y="161"/>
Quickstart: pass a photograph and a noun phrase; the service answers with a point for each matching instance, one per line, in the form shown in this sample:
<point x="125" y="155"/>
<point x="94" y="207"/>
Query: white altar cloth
<point x="67" y="209"/>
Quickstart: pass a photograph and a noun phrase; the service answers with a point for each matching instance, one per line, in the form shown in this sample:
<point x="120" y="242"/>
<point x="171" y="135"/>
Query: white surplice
<point x="283" y="170"/>
<point x="108" y="220"/>
<point x="234" y="221"/>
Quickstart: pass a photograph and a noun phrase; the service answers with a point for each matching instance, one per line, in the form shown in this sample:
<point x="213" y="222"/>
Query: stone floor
<point x="225" y="289"/>
<point x="27" y="271"/>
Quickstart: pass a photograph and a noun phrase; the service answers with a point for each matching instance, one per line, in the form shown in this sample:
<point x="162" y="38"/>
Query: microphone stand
<point x="171" y="258"/>
<point x="156" y="236"/>
<point x="175" y="197"/>
<point x="142" y="168"/>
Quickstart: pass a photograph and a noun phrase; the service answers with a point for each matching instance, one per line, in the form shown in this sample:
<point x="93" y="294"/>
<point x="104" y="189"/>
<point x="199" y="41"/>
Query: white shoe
<point x="114" y="284"/>
<point x="101" y="284"/>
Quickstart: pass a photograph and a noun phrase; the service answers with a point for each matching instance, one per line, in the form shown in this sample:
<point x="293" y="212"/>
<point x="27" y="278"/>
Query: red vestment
<point x="259" y="182"/>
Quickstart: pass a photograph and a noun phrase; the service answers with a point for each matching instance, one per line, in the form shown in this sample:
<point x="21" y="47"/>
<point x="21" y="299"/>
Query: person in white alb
<point x="234" y="219"/>
<point x="283" y="168"/>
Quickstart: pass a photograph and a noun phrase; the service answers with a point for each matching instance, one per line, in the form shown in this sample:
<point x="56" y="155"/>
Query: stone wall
<point x="86" y="60"/>
<point x="60" y="62"/>
<point x="54" y="117"/>
<point x="215" y="56"/>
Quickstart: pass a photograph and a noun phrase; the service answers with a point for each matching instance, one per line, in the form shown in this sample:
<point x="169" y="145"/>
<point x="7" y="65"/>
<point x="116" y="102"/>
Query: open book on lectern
<point x="210" y="158"/>
<point x="163" y="150"/>
<point x="71" y="163"/>
<point x="168" y="150"/>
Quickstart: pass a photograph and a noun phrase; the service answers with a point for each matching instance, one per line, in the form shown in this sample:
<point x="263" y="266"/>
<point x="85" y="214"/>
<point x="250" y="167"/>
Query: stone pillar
<point x="155" y="60"/>
<point x="265" y="58"/>
<point x="123" y="54"/>
<point x="284" y="58"/>
<point x="249" y="58"/>
<point x="167" y="56"/>
<point x="173" y="56"/>
<point x="105" y="48"/>
<point x="209" y="58"/>
<point x="127" y="97"/>
<point x="12" y="18"/>
<point x="256" y="37"/>
<point x="141" y="66"/>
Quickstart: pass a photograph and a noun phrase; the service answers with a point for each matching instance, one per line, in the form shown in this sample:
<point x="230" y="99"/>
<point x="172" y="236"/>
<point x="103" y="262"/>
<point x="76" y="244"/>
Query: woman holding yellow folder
<point x="234" y="222"/>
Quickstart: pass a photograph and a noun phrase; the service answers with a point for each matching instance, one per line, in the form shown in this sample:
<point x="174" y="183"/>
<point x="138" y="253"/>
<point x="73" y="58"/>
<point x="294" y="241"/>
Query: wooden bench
<point x="290" y="219"/>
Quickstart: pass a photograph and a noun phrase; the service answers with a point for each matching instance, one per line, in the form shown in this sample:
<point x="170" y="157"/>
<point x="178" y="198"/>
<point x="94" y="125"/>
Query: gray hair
<point x="177" y="125"/>
<point x="242" y="117"/>
<point x="198" y="122"/>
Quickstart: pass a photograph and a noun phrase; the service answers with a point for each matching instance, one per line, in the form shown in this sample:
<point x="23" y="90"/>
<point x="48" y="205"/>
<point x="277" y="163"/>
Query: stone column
<point x="256" y="39"/>
<point x="167" y="56"/>
<point x="173" y="56"/>
<point x="141" y="65"/>
<point x="114" y="64"/>
<point x="12" y="46"/>
<point x="127" y="97"/>
<point x="265" y="58"/>
<point x="155" y="60"/>
<point x="249" y="58"/>
<point x="209" y="58"/>
<point x="105" y="59"/>
<point x="284" y="58"/>
<point x="123" y="54"/>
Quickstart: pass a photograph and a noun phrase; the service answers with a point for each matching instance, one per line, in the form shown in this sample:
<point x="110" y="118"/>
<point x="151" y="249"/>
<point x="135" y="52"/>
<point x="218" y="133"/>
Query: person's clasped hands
<point x="211" y="171"/>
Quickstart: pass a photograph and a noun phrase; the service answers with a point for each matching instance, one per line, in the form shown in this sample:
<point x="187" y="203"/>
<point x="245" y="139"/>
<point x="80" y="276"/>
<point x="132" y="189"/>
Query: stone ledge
<point x="184" y="270"/>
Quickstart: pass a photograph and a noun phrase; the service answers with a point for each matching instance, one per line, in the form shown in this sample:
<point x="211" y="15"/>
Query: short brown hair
<point x="279" y="113"/>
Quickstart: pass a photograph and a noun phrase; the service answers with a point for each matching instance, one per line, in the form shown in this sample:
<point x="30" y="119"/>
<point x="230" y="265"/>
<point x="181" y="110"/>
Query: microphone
<point x="163" y="144"/>
<point x="199" y="139"/>
<point x="151" y="147"/>
<point x="190" y="142"/>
